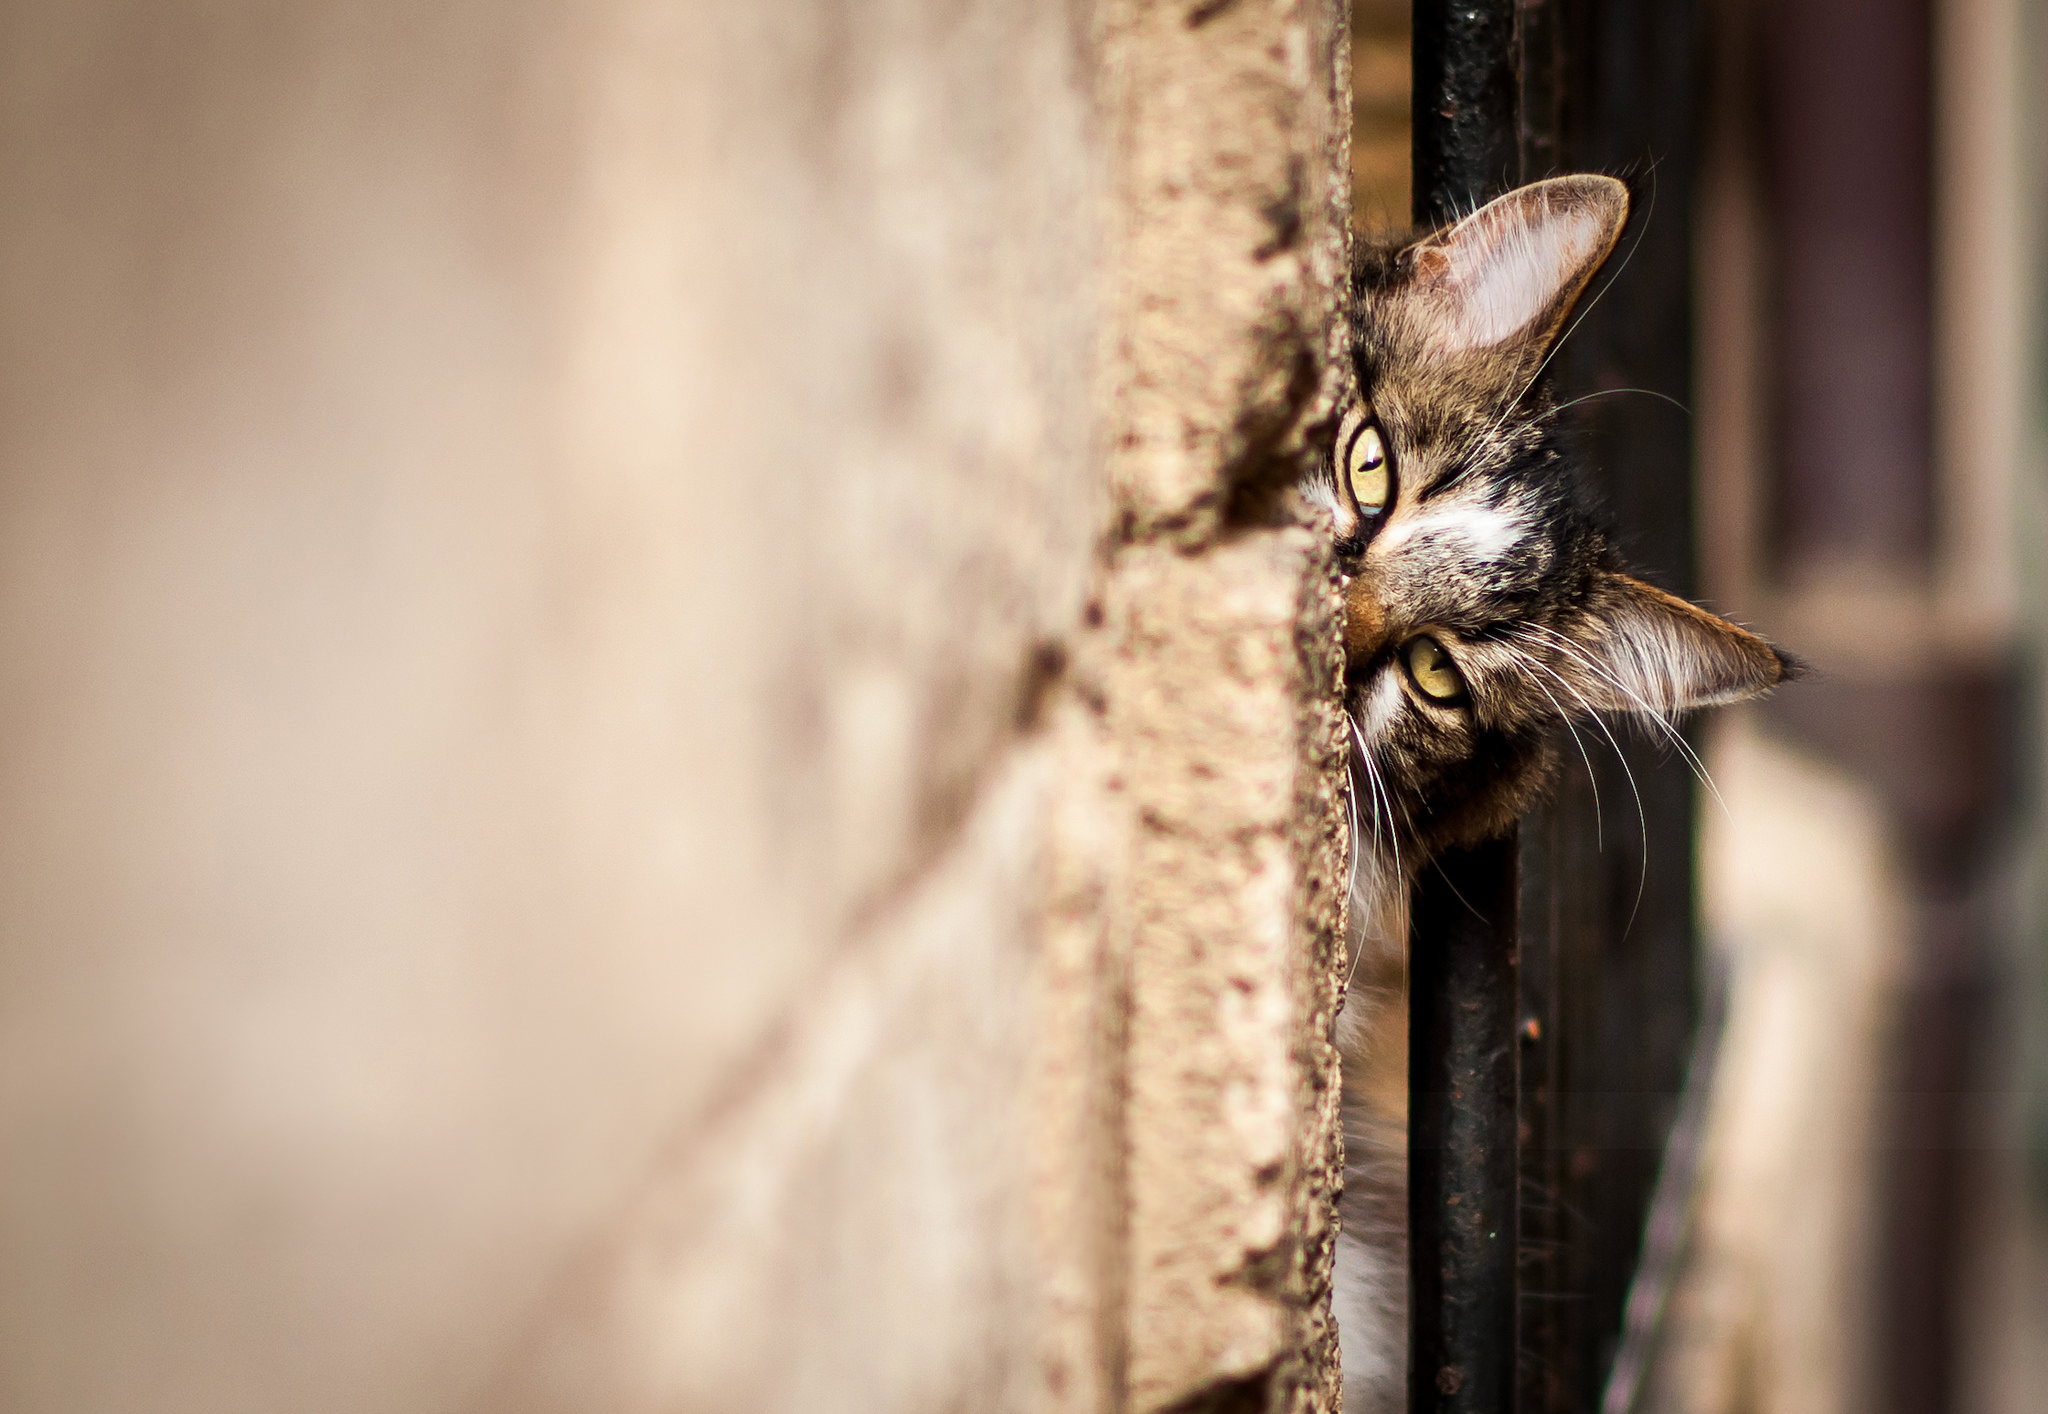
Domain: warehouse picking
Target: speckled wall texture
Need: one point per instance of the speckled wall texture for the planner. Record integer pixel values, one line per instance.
(670, 738)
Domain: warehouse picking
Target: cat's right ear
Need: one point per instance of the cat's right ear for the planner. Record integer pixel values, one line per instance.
(1510, 273)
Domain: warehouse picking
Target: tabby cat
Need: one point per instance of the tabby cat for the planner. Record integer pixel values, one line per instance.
(1483, 606)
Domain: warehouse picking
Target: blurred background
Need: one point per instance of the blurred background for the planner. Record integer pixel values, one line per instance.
(1854, 193)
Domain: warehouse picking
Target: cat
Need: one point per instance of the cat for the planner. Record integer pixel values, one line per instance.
(1483, 606)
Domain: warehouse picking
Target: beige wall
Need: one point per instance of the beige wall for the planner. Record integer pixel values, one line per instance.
(556, 822)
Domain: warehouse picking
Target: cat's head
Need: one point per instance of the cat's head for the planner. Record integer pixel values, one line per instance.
(1483, 603)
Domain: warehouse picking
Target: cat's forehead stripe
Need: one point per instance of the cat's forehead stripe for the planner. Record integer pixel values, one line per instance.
(1481, 531)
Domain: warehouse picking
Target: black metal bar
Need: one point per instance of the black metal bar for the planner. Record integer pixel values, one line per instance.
(1467, 101)
(1462, 1186)
(1607, 947)
(1462, 1085)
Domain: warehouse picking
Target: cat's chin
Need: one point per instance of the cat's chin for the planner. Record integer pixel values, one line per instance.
(1469, 818)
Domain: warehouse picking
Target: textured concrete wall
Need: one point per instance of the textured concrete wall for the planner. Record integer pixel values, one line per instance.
(667, 737)
(1232, 132)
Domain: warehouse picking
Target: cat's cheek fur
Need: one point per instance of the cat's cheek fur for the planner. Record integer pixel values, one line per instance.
(1378, 704)
(1370, 1301)
(1480, 796)
(1324, 498)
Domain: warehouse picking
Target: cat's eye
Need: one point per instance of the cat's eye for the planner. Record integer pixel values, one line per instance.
(1370, 475)
(1431, 670)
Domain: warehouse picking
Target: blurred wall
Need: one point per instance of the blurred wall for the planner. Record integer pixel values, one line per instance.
(1382, 82)
(1870, 478)
(573, 817)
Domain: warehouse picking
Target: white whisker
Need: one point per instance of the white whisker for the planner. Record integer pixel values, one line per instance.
(1664, 724)
(1609, 392)
(1357, 840)
(1379, 785)
(1592, 780)
(1390, 836)
(1642, 818)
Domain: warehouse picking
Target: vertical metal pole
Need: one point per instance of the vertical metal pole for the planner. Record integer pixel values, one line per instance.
(1467, 99)
(1609, 962)
(1462, 1083)
(1463, 1189)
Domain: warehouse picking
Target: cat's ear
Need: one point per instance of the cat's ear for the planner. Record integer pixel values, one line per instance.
(1512, 270)
(1647, 651)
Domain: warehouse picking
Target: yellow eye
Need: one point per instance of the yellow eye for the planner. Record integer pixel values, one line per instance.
(1368, 470)
(1432, 670)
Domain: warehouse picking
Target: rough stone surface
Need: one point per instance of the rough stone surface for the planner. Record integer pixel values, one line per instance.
(1231, 125)
(670, 735)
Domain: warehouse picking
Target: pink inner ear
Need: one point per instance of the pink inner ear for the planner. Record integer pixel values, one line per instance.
(1432, 266)
(1508, 264)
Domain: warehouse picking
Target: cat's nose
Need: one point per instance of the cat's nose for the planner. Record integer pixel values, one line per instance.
(1365, 622)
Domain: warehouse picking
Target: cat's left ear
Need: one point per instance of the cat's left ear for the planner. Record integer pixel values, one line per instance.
(1512, 270)
(1643, 650)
